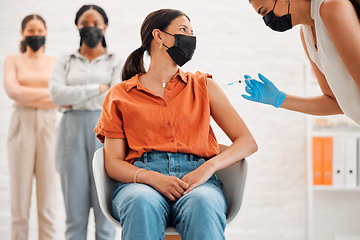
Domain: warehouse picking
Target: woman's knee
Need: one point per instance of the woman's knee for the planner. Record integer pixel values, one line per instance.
(206, 202)
(140, 199)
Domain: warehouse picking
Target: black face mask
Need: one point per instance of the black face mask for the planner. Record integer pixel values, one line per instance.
(35, 42)
(280, 24)
(91, 36)
(183, 49)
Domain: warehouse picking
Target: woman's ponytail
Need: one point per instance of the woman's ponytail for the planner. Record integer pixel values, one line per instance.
(356, 4)
(22, 46)
(134, 64)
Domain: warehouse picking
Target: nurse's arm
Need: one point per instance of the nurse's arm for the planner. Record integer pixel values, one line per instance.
(325, 104)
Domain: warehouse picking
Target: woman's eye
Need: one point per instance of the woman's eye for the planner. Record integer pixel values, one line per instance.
(183, 29)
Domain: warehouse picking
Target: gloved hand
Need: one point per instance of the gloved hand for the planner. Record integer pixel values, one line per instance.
(263, 92)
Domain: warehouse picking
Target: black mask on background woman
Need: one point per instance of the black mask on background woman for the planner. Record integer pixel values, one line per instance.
(183, 49)
(35, 42)
(91, 36)
(280, 24)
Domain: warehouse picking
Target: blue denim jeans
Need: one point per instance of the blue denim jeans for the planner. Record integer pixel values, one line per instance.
(144, 213)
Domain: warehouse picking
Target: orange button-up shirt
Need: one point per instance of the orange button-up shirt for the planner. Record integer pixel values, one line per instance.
(179, 122)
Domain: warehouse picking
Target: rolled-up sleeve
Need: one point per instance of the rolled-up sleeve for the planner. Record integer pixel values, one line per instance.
(111, 121)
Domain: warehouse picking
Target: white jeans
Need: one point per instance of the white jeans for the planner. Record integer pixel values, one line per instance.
(30, 146)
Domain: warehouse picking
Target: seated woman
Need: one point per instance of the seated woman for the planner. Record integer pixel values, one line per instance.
(158, 141)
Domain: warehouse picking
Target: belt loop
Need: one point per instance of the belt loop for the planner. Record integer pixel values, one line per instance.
(145, 157)
(191, 157)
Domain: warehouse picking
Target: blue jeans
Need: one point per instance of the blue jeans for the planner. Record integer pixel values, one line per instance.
(144, 213)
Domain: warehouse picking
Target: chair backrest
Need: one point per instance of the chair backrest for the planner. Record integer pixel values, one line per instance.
(233, 178)
(105, 186)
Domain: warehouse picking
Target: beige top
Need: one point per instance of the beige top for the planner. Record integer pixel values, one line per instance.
(26, 79)
(34, 75)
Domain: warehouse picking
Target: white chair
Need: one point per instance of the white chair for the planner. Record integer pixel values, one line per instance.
(233, 178)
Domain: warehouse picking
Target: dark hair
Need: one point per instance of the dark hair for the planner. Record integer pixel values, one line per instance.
(356, 4)
(23, 26)
(159, 19)
(99, 10)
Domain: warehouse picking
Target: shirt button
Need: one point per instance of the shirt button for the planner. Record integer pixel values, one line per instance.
(173, 140)
(168, 88)
(169, 123)
(165, 105)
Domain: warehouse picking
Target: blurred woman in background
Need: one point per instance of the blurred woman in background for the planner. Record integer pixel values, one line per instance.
(79, 83)
(31, 138)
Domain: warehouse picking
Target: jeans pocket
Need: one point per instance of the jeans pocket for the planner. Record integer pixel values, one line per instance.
(214, 177)
(139, 164)
(198, 162)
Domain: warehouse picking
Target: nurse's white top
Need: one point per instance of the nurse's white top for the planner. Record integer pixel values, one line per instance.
(329, 62)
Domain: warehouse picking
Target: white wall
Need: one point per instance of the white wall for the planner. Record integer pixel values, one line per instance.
(232, 41)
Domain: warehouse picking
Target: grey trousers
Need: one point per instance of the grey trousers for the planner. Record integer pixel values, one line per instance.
(75, 146)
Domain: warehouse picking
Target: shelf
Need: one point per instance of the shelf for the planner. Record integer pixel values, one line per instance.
(336, 189)
(336, 132)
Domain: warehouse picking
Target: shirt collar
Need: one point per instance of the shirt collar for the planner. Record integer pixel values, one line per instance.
(134, 81)
(78, 55)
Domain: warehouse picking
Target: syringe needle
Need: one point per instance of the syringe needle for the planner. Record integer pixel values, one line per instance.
(232, 83)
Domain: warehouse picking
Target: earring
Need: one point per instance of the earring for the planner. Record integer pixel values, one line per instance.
(160, 45)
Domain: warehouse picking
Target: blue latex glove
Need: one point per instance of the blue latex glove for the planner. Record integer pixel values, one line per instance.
(263, 92)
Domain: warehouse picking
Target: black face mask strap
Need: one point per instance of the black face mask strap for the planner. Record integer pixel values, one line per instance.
(170, 35)
(288, 2)
(274, 5)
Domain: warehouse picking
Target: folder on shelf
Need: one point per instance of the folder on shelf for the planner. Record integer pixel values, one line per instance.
(339, 161)
(317, 154)
(327, 161)
(351, 162)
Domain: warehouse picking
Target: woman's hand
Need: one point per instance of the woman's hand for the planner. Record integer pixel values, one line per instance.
(169, 186)
(197, 177)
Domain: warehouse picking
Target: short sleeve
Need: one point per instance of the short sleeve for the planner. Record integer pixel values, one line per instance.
(111, 122)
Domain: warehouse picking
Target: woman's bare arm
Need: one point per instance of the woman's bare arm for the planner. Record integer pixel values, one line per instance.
(17, 92)
(325, 104)
(243, 143)
(122, 171)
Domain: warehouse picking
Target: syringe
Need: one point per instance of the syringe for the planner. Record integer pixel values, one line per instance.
(232, 83)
